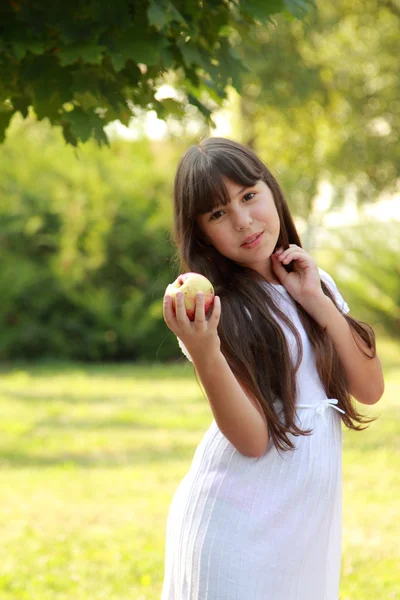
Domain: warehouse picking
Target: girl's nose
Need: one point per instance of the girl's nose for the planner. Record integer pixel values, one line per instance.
(242, 220)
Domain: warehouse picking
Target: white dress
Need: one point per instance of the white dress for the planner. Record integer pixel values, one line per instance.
(267, 528)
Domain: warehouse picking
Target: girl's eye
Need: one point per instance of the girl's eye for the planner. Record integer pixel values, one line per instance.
(248, 196)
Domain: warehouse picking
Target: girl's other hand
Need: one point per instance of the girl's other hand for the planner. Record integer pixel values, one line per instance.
(303, 283)
(199, 336)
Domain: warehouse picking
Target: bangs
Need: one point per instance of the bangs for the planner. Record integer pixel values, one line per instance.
(207, 190)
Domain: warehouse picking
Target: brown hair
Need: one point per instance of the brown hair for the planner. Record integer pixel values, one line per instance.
(248, 335)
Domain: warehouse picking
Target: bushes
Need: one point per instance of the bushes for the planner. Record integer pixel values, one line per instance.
(85, 252)
(365, 262)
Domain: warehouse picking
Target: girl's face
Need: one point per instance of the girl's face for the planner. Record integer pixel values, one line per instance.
(251, 210)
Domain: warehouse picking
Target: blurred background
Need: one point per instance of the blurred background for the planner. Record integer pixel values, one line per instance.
(101, 413)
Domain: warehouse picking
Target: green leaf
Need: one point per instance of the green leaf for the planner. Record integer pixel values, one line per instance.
(87, 99)
(231, 65)
(260, 10)
(100, 136)
(83, 124)
(139, 46)
(89, 53)
(20, 49)
(167, 57)
(192, 55)
(299, 7)
(118, 60)
(124, 115)
(161, 13)
(47, 106)
(51, 85)
(5, 118)
(21, 104)
(157, 15)
(169, 106)
(215, 91)
(203, 109)
(69, 137)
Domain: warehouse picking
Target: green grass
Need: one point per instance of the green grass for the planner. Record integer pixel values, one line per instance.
(91, 456)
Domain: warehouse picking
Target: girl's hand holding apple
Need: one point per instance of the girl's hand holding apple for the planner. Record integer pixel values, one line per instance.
(199, 334)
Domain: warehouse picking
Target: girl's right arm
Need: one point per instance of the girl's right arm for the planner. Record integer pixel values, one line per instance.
(237, 414)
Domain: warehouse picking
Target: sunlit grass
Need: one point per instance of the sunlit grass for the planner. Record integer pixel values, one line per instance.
(91, 456)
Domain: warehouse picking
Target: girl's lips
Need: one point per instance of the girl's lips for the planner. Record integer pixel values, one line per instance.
(254, 243)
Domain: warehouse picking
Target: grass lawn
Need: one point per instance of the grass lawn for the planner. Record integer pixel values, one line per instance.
(91, 456)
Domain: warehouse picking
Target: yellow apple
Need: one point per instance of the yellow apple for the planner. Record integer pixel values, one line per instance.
(189, 284)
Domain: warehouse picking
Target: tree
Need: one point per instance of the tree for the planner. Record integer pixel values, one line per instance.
(83, 64)
(322, 101)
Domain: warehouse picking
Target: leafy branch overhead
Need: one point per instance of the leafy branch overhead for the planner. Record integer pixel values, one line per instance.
(83, 64)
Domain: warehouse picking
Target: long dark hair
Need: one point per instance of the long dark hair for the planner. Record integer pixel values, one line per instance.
(248, 335)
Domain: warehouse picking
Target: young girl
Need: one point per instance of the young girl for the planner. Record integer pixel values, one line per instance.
(258, 515)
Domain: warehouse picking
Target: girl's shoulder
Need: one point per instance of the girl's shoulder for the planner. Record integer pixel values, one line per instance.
(327, 278)
(330, 282)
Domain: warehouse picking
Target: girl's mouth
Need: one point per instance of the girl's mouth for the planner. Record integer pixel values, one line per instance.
(254, 243)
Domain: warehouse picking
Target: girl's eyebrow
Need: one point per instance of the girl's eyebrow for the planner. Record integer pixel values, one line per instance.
(243, 189)
(238, 194)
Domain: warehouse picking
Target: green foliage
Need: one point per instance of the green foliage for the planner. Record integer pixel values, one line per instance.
(85, 251)
(322, 102)
(365, 263)
(85, 64)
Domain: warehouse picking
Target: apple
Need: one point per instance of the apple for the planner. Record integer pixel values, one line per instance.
(189, 284)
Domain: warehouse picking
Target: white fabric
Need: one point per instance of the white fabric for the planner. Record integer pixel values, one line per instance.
(267, 528)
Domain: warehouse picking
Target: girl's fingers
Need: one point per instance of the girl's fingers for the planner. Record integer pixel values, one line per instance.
(199, 315)
(172, 310)
(216, 311)
(293, 255)
(279, 269)
(292, 248)
(181, 314)
(167, 310)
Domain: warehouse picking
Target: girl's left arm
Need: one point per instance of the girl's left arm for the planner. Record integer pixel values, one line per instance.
(364, 375)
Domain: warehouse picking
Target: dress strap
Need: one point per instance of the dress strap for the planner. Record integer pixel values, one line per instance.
(320, 407)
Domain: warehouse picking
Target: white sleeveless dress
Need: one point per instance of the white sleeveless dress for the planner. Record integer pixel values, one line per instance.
(267, 528)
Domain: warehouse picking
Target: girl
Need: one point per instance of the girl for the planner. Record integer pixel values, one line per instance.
(258, 515)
